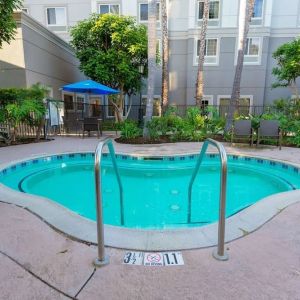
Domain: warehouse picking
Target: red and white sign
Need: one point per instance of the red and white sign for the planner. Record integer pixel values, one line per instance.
(153, 259)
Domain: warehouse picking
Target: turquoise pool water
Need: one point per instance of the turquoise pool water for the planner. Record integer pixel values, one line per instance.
(155, 189)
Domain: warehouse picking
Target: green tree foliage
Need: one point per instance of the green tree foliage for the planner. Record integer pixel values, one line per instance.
(288, 69)
(23, 105)
(7, 23)
(110, 49)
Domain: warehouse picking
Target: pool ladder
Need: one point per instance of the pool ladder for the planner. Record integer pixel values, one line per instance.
(219, 253)
(103, 259)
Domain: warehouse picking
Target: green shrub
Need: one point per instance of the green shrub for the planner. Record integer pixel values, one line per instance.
(130, 130)
(23, 105)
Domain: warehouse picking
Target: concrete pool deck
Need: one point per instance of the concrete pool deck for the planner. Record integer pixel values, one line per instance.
(37, 262)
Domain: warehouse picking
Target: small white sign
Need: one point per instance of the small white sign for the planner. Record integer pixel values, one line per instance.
(153, 259)
(133, 258)
(173, 259)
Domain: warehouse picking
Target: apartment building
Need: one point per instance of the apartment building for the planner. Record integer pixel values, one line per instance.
(274, 22)
(37, 55)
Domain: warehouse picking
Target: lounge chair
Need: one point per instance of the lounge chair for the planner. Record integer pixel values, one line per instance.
(242, 130)
(269, 130)
(92, 124)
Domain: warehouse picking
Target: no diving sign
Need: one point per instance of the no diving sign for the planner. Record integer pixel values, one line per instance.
(153, 259)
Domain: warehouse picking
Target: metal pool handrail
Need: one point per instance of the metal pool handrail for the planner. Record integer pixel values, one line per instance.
(219, 253)
(102, 259)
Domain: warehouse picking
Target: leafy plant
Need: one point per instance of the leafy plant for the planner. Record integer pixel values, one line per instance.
(130, 129)
(7, 23)
(288, 69)
(23, 105)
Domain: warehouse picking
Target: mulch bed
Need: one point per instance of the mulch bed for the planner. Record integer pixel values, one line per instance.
(24, 141)
(161, 140)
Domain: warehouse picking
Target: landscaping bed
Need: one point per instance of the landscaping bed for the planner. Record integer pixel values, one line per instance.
(22, 141)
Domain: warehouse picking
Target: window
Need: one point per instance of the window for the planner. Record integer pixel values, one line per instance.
(211, 51)
(210, 47)
(214, 7)
(109, 9)
(56, 16)
(143, 12)
(79, 102)
(244, 105)
(252, 47)
(156, 104)
(258, 9)
(24, 9)
(68, 101)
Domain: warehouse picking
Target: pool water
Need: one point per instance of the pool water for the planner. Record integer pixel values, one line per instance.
(155, 189)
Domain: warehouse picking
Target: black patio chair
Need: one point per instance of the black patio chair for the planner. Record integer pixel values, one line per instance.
(242, 130)
(92, 124)
(269, 130)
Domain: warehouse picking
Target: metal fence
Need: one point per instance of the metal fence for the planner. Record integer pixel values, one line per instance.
(67, 117)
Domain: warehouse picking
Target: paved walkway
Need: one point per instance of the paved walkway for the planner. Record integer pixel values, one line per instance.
(36, 262)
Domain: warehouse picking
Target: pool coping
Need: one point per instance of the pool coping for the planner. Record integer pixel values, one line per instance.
(84, 230)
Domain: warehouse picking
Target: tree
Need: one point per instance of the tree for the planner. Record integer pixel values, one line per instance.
(151, 62)
(288, 69)
(110, 49)
(7, 23)
(165, 55)
(200, 81)
(246, 12)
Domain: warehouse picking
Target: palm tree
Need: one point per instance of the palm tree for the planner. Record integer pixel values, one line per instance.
(200, 81)
(151, 62)
(246, 12)
(165, 55)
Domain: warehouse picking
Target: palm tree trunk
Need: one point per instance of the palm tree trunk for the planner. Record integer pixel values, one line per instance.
(246, 11)
(151, 62)
(200, 80)
(165, 55)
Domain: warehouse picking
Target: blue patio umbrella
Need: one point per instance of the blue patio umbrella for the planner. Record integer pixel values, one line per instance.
(90, 87)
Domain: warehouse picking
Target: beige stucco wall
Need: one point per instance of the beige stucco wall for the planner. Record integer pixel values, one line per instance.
(37, 55)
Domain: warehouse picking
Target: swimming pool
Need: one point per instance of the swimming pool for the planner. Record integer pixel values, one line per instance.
(155, 188)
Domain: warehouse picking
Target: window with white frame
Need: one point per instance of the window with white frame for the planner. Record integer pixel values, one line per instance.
(252, 46)
(257, 15)
(214, 10)
(258, 9)
(109, 9)
(243, 109)
(252, 50)
(156, 104)
(80, 102)
(211, 51)
(56, 16)
(143, 12)
(213, 14)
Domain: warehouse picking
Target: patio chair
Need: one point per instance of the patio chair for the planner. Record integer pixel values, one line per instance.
(242, 130)
(92, 124)
(269, 130)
